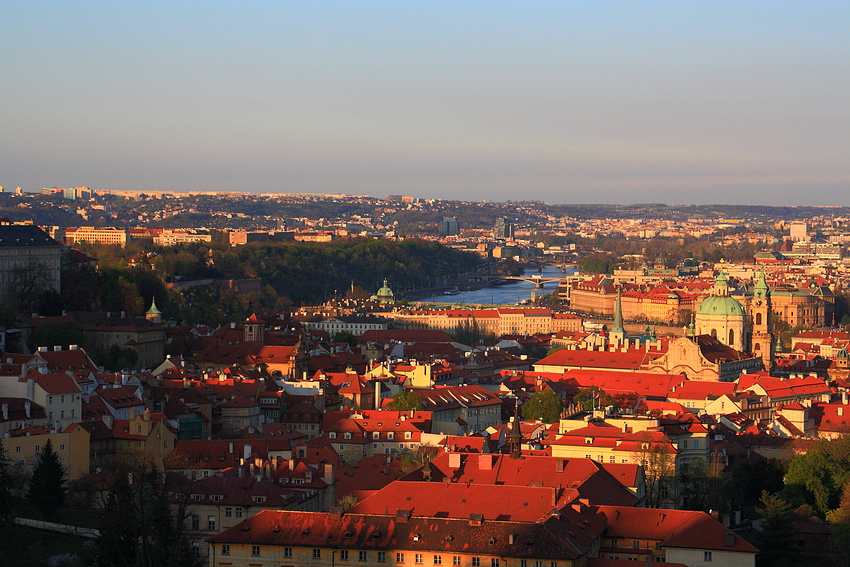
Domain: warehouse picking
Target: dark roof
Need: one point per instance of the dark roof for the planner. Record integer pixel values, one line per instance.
(25, 235)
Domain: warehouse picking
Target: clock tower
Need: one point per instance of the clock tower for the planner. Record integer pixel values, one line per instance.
(760, 311)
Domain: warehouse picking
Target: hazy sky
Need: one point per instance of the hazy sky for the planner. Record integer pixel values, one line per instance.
(567, 102)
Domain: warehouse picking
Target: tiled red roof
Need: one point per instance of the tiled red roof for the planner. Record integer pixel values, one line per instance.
(674, 528)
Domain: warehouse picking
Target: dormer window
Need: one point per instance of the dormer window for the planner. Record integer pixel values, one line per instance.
(347, 435)
(390, 436)
(588, 440)
(331, 434)
(376, 435)
(407, 435)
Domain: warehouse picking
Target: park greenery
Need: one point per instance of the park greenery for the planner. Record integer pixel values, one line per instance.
(545, 406)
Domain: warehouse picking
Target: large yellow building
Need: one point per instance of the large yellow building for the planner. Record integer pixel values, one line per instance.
(503, 321)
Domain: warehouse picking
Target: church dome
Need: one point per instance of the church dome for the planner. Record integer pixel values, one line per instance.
(385, 294)
(720, 305)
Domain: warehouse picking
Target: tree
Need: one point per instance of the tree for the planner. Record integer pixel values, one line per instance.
(658, 458)
(347, 502)
(545, 406)
(29, 281)
(47, 487)
(776, 538)
(52, 332)
(593, 397)
(412, 460)
(142, 520)
(406, 401)
(345, 337)
(5, 487)
(820, 473)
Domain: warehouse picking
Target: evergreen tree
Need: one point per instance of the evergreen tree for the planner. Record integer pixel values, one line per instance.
(47, 488)
(776, 542)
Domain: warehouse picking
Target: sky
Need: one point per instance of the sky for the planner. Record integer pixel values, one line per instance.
(681, 102)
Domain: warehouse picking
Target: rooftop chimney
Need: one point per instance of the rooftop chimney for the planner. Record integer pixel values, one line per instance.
(57, 348)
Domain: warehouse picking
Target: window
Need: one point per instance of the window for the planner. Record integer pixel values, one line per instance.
(456, 560)
(399, 557)
(211, 522)
(390, 436)
(438, 560)
(382, 557)
(476, 562)
(665, 491)
(538, 564)
(215, 498)
(613, 543)
(255, 550)
(287, 552)
(61, 446)
(317, 553)
(238, 512)
(587, 456)
(553, 564)
(494, 562)
(225, 549)
(331, 434)
(361, 556)
(196, 522)
(18, 449)
(197, 497)
(62, 414)
(376, 435)
(418, 558)
(523, 563)
(635, 544)
(706, 556)
(346, 435)
(684, 444)
(343, 555)
(612, 459)
(228, 512)
(342, 447)
(407, 435)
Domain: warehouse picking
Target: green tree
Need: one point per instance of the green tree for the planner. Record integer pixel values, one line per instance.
(52, 332)
(593, 398)
(546, 406)
(406, 401)
(412, 460)
(47, 487)
(820, 473)
(7, 316)
(776, 537)
(345, 337)
(347, 502)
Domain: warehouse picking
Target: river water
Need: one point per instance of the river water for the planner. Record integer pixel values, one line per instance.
(509, 294)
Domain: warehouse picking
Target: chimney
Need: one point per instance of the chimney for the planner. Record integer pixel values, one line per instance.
(233, 325)
(230, 448)
(454, 460)
(485, 462)
(57, 348)
(73, 347)
(107, 421)
(328, 474)
(559, 465)
(30, 388)
(241, 471)
(5, 411)
(123, 314)
(246, 451)
(42, 349)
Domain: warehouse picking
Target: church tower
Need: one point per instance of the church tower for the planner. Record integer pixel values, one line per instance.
(764, 344)
(617, 335)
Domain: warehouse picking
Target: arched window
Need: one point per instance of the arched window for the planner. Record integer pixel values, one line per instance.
(758, 318)
(714, 333)
(757, 346)
(731, 337)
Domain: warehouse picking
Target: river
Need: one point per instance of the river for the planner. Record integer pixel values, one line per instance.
(508, 294)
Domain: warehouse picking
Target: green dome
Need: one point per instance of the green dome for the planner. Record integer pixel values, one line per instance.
(720, 305)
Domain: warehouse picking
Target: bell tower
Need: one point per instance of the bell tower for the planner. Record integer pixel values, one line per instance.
(763, 342)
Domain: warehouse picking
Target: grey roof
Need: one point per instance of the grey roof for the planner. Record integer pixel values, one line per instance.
(25, 235)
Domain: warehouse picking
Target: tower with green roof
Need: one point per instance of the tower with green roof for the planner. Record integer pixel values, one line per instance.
(722, 316)
(763, 342)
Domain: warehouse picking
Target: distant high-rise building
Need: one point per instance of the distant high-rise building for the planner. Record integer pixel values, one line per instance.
(799, 231)
(503, 228)
(449, 227)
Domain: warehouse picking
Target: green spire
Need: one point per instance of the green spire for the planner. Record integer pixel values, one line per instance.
(618, 315)
(153, 310)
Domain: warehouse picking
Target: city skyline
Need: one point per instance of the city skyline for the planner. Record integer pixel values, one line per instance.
(614, 102)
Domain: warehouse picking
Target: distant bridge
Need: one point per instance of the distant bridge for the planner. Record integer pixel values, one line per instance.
(537, 280)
